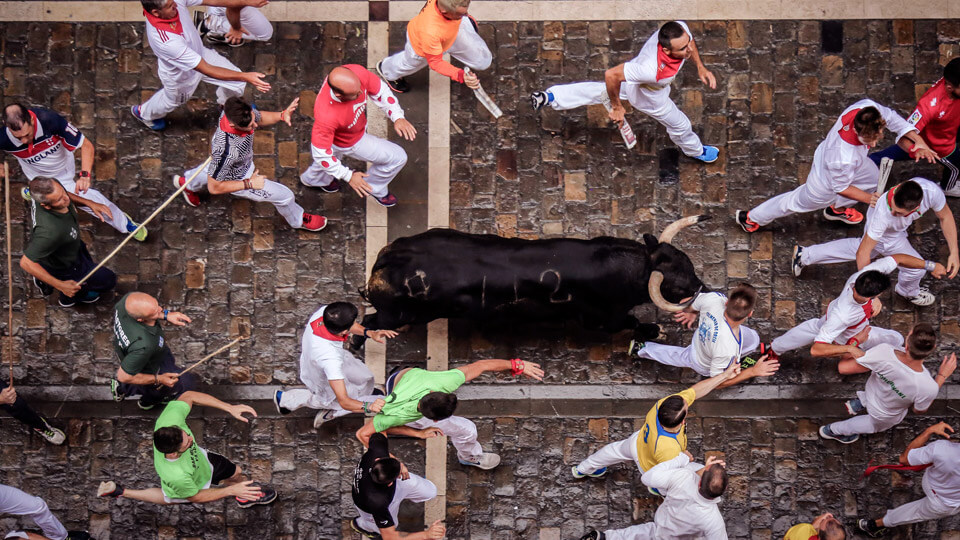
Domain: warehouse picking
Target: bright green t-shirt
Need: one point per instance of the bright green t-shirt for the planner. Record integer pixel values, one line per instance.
(401, 406)
(185, 476)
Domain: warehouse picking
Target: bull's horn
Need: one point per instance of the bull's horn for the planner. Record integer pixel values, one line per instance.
(667, 235)
(653, 289)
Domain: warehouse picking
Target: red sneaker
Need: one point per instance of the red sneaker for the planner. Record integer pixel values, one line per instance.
(313, 222)
(846, 215)
(190, 196)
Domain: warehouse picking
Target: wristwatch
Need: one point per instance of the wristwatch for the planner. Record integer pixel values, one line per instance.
(84, 174)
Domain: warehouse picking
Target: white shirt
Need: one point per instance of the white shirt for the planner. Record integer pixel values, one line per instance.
(893, 387)
(715, 345)
(943, 478)
(684, 513)
(177, 55)
(884, 227)
(837, 163)
(323, 360)
(642, 70)
(845, 316)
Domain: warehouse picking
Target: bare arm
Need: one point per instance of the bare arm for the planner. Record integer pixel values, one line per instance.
(350, 404)
(223, 74)
(87, 154)
(705, 75)
(943, 429)
(613, 78)
(238, 4)
(857, 194)
(706, 386)
(949, 228)
(830, 349)
(474, 370)
(763, 368)
(192, 398)
(863, 252)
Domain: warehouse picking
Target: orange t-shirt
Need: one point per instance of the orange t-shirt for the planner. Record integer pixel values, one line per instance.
(430, 35)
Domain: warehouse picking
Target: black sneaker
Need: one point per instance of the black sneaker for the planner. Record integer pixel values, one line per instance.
(267, 496)
(145, 405)
(45, 289)
(91, 297)
(115, 390)
(66, 301)
(870, 528)
(828, 433)
(635, 347)
(332, 187)
(795, 263)
(538, 100)
(594, 535)
(399, 86)
(200, 21)
(357, 528)
(276, 401)
(78, 535)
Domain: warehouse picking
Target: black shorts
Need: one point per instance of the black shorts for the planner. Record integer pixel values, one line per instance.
(223, 468)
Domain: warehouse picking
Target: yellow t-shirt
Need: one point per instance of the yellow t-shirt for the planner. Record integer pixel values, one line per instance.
(655, 444)
(802, 531)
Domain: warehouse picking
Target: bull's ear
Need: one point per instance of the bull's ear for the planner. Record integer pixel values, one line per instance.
(651, 241)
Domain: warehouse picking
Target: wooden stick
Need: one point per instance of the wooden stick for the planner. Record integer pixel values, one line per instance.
(144, 224)
(6, 211)
(214, 353)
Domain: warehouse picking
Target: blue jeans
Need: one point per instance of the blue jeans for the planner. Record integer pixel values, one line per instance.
(102, 280)
(951, 163)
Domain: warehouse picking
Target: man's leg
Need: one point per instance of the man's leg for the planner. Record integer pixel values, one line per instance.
(893, 152)
(799, 201)
(150, 495)
(573, 95)
(879, 336)
(152, 395)
(837, 251)
(252, 20)
(22, 411)
(399, 65)
(315, 175)
(644, 531)
(303, 397)
(925, 509)
(386, 160)
(749, 340)
(861, 425)
(118, 220)
(199, 182)
(16, 502)
(951, 172)
(611, 454)
(225, 89)
(799, 336)
(470, 48)
(282, 199)
(461, 432)
(101, 281)
(172, 95)
(661, 108)
(670, 355)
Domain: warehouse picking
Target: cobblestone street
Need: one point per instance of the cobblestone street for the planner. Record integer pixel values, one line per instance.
(236, 268)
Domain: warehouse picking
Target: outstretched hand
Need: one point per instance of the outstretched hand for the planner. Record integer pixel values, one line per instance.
(237, 411)
(942, 429)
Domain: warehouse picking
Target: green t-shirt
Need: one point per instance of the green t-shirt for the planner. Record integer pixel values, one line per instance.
(401, 406)
(192, 471)
(55, 242)
(141, 348)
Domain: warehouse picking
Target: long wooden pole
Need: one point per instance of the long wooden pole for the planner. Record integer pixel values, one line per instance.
(6, 211)
(214, 353)
(144, 224)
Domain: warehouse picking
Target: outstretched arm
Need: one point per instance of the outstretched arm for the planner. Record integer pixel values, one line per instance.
(949, 228)
(943, 429)
(763, 368)
(706, 386)
(192, 398)
(474, 370)
(705, 75)
(613, 77)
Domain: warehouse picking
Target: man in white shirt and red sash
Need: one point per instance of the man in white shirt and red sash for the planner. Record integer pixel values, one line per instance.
(645, 83)
(183, 61)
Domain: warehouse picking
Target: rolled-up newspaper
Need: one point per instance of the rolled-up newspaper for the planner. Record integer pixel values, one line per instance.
(886, 165)
(485, 99)
(625, 130)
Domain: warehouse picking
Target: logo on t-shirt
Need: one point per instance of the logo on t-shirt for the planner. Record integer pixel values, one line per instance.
(933, 102)
(73, 233)
(160, 343)
(915, 117)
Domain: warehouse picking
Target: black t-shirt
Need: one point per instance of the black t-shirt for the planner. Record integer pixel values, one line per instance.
(369, 496)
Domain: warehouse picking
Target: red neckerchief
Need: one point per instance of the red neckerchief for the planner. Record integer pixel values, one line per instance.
(227, 128)
(667, 66)
(167, 25)
(847, 131)
(320, 330)
(895, 467)
(890, 195)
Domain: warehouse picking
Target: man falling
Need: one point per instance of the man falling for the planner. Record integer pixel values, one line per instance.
(645, 83)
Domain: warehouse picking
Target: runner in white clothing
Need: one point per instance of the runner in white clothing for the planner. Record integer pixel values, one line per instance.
(645, 83)
(941, 483)
(233, 26)
(886, 234)
(721, 337)
(690, 509)
(841, 174)
(183, 61)
(337, 382)
(898, 381)
(844, 330)
(17, 503)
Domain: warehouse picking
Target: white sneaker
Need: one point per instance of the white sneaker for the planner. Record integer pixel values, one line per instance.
(486, 461)
(954, 191)
(323, 416)
(52, 435)
(923, 298)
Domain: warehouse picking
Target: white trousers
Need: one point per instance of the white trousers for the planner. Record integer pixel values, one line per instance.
(803, 335)
(176, 91)
(862, 425)
(655, 103)
(644, 531)
(461, 432)
(611, 454)
(845, 249)
(685, 357)
(925, 509)
(256, 24)
(16, 502)
(804, 199)
(303, 397)
(469, 48)
(68, 178)
(272, 192)
(386, 160)
(415, 489)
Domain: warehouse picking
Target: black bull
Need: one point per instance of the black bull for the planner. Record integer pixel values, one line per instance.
(444, 273)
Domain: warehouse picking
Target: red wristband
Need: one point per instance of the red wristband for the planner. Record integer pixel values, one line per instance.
(516, 366)
(853, 341)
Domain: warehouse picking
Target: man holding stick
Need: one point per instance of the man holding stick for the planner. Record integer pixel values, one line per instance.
(232, 170)
(147, 366)
(56, 257)
(43, 143)
(16, 406)
(187, 472)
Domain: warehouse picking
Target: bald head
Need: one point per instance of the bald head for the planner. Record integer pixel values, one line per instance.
(142, 306)
(344, 83)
